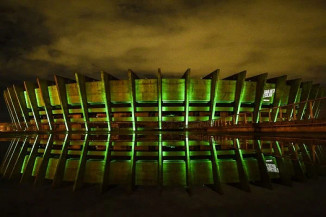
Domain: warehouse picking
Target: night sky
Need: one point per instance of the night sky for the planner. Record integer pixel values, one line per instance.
(41, 38)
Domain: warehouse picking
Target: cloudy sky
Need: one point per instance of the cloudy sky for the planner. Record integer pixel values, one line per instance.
(40, 38)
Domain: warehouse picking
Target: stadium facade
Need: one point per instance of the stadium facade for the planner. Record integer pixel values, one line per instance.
(87, 104)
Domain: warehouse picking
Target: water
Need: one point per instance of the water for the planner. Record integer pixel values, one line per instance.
(161, 159)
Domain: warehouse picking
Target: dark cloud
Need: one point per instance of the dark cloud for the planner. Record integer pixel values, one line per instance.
(39, 39)
(21, 30)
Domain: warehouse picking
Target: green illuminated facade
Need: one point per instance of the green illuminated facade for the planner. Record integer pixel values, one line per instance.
(136, 103)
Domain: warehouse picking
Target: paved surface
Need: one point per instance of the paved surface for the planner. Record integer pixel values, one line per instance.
(303, 199)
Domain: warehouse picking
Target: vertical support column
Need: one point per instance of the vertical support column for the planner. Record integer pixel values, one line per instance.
(12, 158)
(160, 161)
(239, 90)
(14, 106)
(296, 163)
(280, 83)
(62, 93)
(265, 179)
(213, 95)
(20, 159)
(59, 171)
(186, 76)
(7, 155)
(316, 109)
(188, 163)
(45, 160)
(215, 167)
(159, 98)
(260, 87)
(79, 179)
(294, 91)
(305, 92)
(132, 76)
(243, 174)
(81, 84)
(132, 174)
(30, 89)
(239, 94)
(107, 96)
(313, 95)
(107, 164)
(310, 169)
(27, 174)
(284, 173)
(43, 85)
(19, 92)
(13, 119)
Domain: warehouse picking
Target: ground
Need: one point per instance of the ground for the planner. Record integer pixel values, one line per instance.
(302, 199)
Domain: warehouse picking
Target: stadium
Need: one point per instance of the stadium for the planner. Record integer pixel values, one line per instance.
(87, 104)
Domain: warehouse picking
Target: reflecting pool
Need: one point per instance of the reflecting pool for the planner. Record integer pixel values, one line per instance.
(162, 159)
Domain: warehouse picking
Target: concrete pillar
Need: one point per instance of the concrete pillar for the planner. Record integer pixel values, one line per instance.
(62, 93)
(19, 93)
(305, 93)
(43, 86)
(280, 83)
(132, 76)
(213, 94)
(106, 78)
(240, 78)
(30, 90)
(260, 87)
(186, 76)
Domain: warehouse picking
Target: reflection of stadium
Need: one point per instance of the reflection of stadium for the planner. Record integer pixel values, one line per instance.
(149, 103)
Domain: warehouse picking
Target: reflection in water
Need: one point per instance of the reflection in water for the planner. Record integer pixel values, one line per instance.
(160, 159)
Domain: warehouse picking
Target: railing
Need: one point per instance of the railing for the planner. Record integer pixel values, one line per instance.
(297, 111)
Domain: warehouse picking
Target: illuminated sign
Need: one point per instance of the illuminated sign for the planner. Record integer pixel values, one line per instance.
(268, 94)
(271, 166)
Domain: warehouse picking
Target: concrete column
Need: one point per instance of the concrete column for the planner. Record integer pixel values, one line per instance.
(316, 109)
(213, 96)
(60, 169)
(15, 106)
(132, 76)
(19, 93)
(294, 90)
(243, 173)
(45, 161)
(62, 93)
(260, 87)
(280, 83)
(79, 179)
(27, 174)
(240, 78)
(313, 95)
(215, 167)
(159, 98)
(81, 84)
(43, 85)
(186, 76)
(10, 109)
(284, 172)
(305, 93)
(107, 164)
(265, 179)
(188, 163)
(106, 78)
(30, 89)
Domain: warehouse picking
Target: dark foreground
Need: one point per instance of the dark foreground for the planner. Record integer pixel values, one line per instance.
(302, 199)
